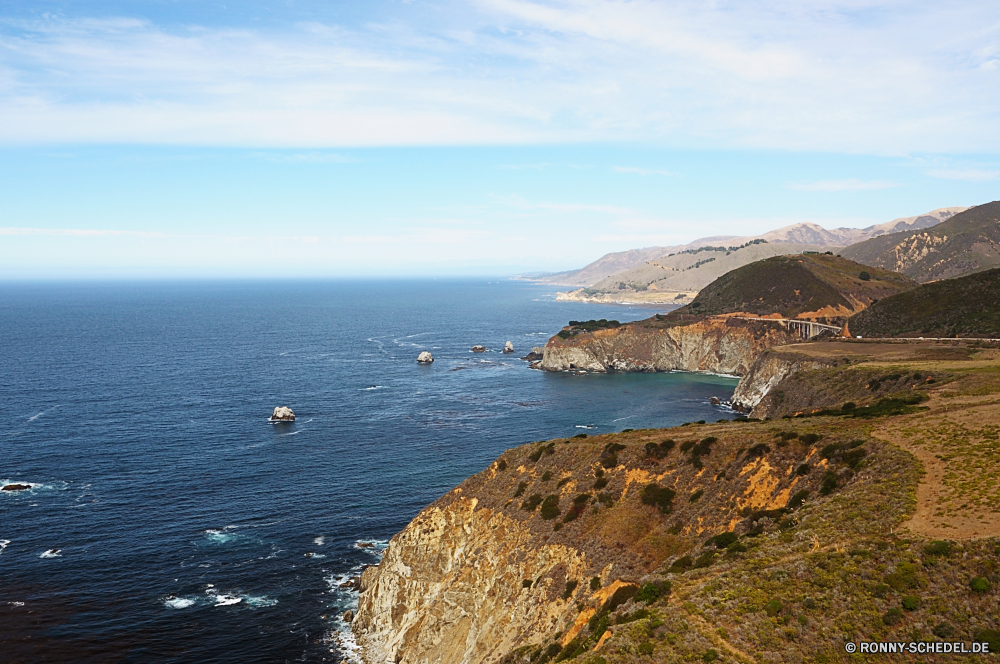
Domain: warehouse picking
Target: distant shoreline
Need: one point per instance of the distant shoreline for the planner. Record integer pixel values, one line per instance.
(675, 298)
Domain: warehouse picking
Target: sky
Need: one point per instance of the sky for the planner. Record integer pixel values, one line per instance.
(165, 139)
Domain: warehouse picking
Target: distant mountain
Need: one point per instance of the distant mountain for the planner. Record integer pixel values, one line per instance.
(966, 307)
(966, 243)
(806, 236)
(815, 286)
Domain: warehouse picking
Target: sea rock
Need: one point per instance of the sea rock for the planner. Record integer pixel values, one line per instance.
(348, 616)
(715, 401)
(425, 358)
(282, 414)
(479, 349)
(508, 347)
(536, 354)
(16, 487)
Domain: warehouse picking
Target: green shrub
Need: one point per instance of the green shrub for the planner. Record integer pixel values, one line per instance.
(803, 469)
(722, 540)
(652, 591)
(797, 499)
(563, 482)
(533, 501)
(758, 450)
(910, 602)
(526, 583)
(595, 583)
(704, 560)
(551, 652)
(853, 457)
(979, 584)
(645, 648)
(696, 495)
(788, 435)
(580, 435)
(938, 548)
(892, 617)
(687, 445)
(660, 496)
(809, 603)
(638, 614)
(572, 649)
(829, 483)
(864, 276)
(676, 528)
(903, 578)
(810, 438)
(773, 607)
(570, 587)
(600, 483)
(945, 631)
(681, 565)
(605, 499)
(609, 461)
(547, 475)
(520, 489)
(710, 656)
(501, 464)
(736, 547)
(990, 636)
(550, 507)
(830, 450)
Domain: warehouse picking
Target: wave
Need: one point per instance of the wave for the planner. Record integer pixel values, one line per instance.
(178, 602)
(585, 426)
(52, 553)
(3, 545)
(319, 541)
(35, 417)
(373, 387)
(293, 433)
(221, 536)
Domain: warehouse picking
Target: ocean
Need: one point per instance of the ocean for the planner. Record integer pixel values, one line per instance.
(169, 521)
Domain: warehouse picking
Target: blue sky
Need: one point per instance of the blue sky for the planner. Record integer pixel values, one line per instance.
(301, 139)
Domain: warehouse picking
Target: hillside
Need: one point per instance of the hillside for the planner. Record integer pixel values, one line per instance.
(968, 242)
(774, 541)
(813, 286)
(966, 307)
(805, 236)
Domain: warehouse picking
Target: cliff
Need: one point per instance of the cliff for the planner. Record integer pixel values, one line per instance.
(769, 370)
(725, 345)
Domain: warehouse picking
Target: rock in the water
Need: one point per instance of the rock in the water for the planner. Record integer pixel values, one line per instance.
(537, 353)
(508, 347)
(16, 487)
(715, 401)
(425, 358)
(283, 414)
(348, 615)
(479, 349)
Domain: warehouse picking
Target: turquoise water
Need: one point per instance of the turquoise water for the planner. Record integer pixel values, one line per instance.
(170, 522)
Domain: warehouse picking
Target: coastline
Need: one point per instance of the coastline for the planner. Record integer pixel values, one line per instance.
(673, 298)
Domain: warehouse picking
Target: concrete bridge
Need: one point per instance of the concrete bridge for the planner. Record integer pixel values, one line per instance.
(806, 329)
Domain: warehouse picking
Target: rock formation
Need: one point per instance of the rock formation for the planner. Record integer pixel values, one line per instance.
(769, 369)
(479, 349)
(282, 414)
(425, 358)
(16, 487)
(721, 345)
(508, 347)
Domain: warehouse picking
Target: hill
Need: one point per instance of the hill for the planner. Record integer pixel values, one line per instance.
(968, 242)
(966, 307)
(811, 286)
(809, 237)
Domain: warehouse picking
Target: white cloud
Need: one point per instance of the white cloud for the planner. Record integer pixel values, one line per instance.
(842, 185)
(822, 75)
(641, 171)
(969, 174)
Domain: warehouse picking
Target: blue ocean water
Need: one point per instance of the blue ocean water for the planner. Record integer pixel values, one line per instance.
(168, 521)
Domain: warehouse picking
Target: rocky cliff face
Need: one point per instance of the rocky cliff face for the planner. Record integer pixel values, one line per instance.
(767, 371)
(721, 344)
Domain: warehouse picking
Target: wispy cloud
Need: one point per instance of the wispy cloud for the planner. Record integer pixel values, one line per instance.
(842, 185)
(772, 75)
(641, 171)
(969, 174)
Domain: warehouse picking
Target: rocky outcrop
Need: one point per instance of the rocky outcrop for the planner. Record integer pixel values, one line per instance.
(479, 349)
(282, 414)
(425, 358)
(508, 347)
(725, 345)
(16, 487)
(767, 371)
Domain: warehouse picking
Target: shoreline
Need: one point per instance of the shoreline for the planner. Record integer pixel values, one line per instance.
(675, 298)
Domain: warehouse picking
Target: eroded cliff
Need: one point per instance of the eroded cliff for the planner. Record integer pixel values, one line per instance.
(727, 345)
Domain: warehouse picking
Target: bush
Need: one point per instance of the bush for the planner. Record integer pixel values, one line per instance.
(610, 461)
(810, 438)
(704, 560)
(910, 602)
(830, 450)
(903, 578)
(605, 499)
(892, 617)
(595, 583)
(864, 276)
(797, 499)
(722, 540)
(533, 501)
(550, 507)
(661, 496)
(502, 464)
(570, 587)
(563, 482)
(520, 489)
(710, 656)
(696, 495)
(580, 435)
(938, 548)
(853, 457)
(547, 475)
(681, 565)
(803, 469)
(526, 583)
(645, 648)
(829, 483)
(687, 445)
(600, 483)
(773, 607)
(945, 631)
(652, 591)
(736, 547)
(979, 585)
(990, 636)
